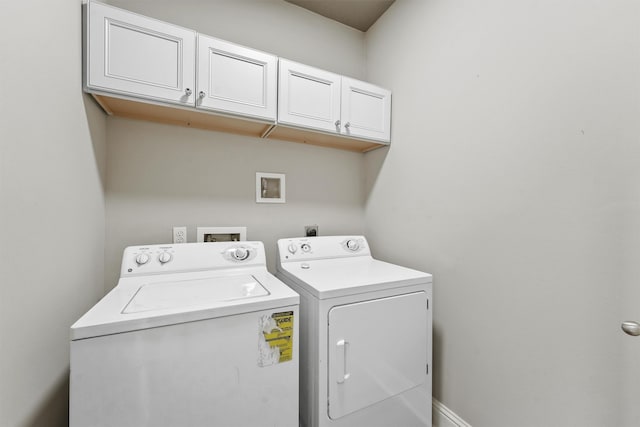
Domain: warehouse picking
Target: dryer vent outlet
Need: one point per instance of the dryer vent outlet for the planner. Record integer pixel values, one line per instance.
(311, 230)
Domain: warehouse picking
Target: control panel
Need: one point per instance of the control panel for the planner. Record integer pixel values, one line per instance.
(153, 259)
(308, 248)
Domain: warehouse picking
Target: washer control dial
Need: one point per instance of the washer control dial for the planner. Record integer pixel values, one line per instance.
(142, 259)
(164, 257)
(292, 248)
(306, 248)
(352, 245)
(240, 254)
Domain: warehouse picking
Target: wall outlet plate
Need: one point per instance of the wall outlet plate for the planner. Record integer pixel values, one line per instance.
(179, 234)
(311, 230)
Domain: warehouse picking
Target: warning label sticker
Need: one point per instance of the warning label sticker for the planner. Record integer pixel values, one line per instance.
(275, 343)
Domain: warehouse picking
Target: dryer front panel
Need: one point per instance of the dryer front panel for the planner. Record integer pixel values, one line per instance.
(376, 350)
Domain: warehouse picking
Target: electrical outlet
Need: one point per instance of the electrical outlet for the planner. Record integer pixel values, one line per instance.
(179, 234)
(311, 230)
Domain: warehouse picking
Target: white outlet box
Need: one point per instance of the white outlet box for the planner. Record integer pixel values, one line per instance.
(179, 234)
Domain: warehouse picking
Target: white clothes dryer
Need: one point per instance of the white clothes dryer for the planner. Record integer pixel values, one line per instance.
(196, 334)
(365, 340)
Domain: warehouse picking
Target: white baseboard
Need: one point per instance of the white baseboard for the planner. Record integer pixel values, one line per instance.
(445, 417)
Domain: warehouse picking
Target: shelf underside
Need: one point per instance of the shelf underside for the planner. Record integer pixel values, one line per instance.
(180, 117)
(322, 139)
(202, 120)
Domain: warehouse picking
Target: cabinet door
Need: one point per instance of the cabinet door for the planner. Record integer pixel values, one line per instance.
(377, 349)
(236, 79)
(138, 56)
(366, 110)
(308, 97)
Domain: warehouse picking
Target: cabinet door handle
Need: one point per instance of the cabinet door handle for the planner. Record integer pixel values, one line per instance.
(337, 123)
(188, 92)
(202, 94)
(631, 328)
(347, 125)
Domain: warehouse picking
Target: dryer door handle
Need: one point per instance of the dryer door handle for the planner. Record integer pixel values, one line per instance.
(341, 361)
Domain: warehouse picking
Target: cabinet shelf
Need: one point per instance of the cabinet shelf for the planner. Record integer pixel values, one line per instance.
(304, 136)
(189, 117)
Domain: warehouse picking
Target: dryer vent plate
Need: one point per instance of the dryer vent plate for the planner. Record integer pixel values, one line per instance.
(310, 230)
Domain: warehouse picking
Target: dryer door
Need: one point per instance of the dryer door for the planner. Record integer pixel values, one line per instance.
(377, 349)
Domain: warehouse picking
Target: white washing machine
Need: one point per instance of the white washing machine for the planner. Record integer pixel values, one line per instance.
(365, 340)
(193, 335)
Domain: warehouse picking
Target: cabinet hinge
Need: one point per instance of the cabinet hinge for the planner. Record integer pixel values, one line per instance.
(427, 304)
(427, 369)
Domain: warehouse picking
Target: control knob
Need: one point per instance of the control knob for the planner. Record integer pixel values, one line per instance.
(305, 247)
(240, 254)
(164, 257)
(142, 259)
(352, 245)
(292, 248)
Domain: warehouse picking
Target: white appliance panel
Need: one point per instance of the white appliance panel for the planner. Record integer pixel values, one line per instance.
(322, 247)
(346, 299)
(209, 337)
(377, 349)
(190, 375)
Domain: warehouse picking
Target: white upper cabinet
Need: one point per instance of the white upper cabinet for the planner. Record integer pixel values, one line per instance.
(236, 79)
(136, 56)
(142, 68)
(366, 110)
(317, 99)
(308, 97)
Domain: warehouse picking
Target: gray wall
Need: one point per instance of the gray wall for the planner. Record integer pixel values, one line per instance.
(164, 176)
(511, 178)
(52, 155)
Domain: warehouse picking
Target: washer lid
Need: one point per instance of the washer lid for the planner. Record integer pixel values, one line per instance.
(330, 278)
(161, 300)
(185, 294)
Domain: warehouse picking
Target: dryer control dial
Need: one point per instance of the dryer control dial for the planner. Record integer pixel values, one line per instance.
(352, 245)
(164, 257)
(240, 254)
(142, 259)
(292, 248)
(305, 247)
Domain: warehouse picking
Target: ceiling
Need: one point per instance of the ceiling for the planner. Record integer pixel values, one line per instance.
(359, 14)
